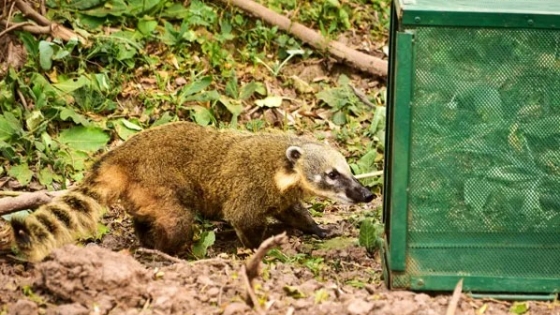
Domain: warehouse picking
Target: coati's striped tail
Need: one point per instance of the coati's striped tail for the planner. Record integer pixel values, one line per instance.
(63, 220)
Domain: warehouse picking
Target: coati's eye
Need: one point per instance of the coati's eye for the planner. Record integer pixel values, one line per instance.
(333, 174)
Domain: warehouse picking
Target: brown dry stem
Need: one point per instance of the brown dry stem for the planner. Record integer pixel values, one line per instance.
(42, 26)
(454, 301)
(27, 200)
(250, 270)
(354, 58)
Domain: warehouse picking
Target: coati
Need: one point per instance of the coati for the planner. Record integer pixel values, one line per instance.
(167, 174)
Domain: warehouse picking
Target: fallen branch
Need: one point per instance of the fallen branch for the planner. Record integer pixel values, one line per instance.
(371, 174)
(455, 298)
(13, 27)
(250, 270)
(28, 200)
(354, 58)
(44, 25)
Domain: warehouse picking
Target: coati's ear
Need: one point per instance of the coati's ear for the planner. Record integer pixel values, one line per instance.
(293, 153)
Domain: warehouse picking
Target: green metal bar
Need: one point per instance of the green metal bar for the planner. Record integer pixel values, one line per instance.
(401, 150)
(417, 18)
(515, 297)
(485, 284)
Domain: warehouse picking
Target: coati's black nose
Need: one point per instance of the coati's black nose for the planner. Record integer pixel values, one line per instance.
(368, 196)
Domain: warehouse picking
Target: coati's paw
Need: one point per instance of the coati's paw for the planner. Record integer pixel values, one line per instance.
(320, 232)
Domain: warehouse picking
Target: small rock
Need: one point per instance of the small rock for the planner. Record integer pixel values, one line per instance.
(24, 307)
(359, 306)
(302, 304)
(235, 308)
(180, 81)
(205, 280)
(70, 309)
(404, 307)
(213, 291)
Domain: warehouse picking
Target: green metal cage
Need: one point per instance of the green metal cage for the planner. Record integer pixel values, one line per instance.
(472, 181)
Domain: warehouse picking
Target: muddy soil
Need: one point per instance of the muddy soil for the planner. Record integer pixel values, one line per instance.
(305, 276)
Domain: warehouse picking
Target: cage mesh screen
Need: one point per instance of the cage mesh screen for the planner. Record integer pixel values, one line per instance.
(484, 190)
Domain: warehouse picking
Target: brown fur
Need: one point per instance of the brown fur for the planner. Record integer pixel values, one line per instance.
(166, 174)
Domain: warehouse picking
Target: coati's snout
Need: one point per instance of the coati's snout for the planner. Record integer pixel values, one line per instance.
(326, 173)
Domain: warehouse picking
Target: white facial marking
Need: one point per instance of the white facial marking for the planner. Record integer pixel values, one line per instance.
(317, 178)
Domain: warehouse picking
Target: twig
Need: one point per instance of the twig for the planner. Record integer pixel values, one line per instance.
(361, 96)
(32, 28)
(250, 270)
(13, 27)
(371, 174)
(354, 58)
(455, 298)
(252, 297)
(28, 200)
(23, 101)
(161, 254)
(27, 10)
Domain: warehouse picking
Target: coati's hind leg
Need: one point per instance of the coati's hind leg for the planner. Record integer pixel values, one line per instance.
(298, 217)
(160, 221)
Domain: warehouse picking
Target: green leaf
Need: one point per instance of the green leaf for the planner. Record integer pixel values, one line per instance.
(47, 176)
(250, 88)
(75, 159)
(164, 119)
(370, 235)
(378, 121)
(202, 115)
(87, 139)
(195, 87)
(9, 126)
(175, 11)
(125, 129)
(68, 112)
(111, 7)
(294, 292)
(22, 173)
(131, 125)
(200, 248)
(234, 107)
(519, 308)
(72, 85)
(339, 118)
(80, 4)
(271, 101)
(46, 53)
(147, 25)
(34, 120)
(101, 231)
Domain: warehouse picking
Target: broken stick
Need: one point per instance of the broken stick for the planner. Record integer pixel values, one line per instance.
(354, 58)
(250, 270)
(452, 307)
(27, 200)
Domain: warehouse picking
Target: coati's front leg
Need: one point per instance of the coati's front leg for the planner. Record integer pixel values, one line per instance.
(298, 217)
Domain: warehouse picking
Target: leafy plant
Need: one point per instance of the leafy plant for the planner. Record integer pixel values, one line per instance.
(371, 235)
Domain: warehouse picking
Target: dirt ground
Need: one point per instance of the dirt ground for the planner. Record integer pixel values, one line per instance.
(110, 277)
